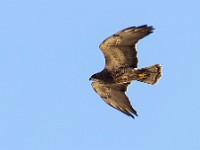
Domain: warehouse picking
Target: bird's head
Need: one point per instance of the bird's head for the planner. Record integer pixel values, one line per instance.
(94, 77)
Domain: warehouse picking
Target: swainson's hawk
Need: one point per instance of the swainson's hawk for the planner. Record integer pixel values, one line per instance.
(122, 67)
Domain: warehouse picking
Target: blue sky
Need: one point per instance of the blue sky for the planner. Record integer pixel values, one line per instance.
(48, 51)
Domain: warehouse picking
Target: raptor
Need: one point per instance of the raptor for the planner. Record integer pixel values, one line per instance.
(121, 68)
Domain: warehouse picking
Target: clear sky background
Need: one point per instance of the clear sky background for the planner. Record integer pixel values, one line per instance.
(48, 51)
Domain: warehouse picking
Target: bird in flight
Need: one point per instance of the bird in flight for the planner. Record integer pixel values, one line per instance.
(121, 68)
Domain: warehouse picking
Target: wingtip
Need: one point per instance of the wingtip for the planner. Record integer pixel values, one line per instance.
(132, 116)
(146, 26)
(140, 26)
(133, 111)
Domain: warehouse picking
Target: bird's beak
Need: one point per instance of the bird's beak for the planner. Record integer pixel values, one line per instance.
(90, 78)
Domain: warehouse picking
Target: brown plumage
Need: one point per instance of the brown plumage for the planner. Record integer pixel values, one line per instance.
(121, 68)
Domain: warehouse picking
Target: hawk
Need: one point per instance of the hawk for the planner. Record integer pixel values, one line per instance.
(121, 68)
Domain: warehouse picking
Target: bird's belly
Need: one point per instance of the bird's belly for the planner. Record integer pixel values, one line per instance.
(124, 75)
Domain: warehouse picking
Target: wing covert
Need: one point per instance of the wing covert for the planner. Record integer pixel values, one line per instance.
(120, 48)
(114, 95)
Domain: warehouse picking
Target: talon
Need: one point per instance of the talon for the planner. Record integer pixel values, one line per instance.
(142, 75)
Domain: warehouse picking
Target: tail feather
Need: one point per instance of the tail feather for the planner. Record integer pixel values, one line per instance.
(150, 75)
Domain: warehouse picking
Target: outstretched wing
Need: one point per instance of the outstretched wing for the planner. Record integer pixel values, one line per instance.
(114, 95)
(120, 50)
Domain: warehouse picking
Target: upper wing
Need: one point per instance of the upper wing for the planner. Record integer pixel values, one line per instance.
(120, 50)
(114, 95)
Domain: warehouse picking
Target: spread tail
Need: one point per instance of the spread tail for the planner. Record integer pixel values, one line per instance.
(150, 74)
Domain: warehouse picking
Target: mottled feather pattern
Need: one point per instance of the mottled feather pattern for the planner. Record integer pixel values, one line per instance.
(113, 94)
(119, 49)
(121, 68)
